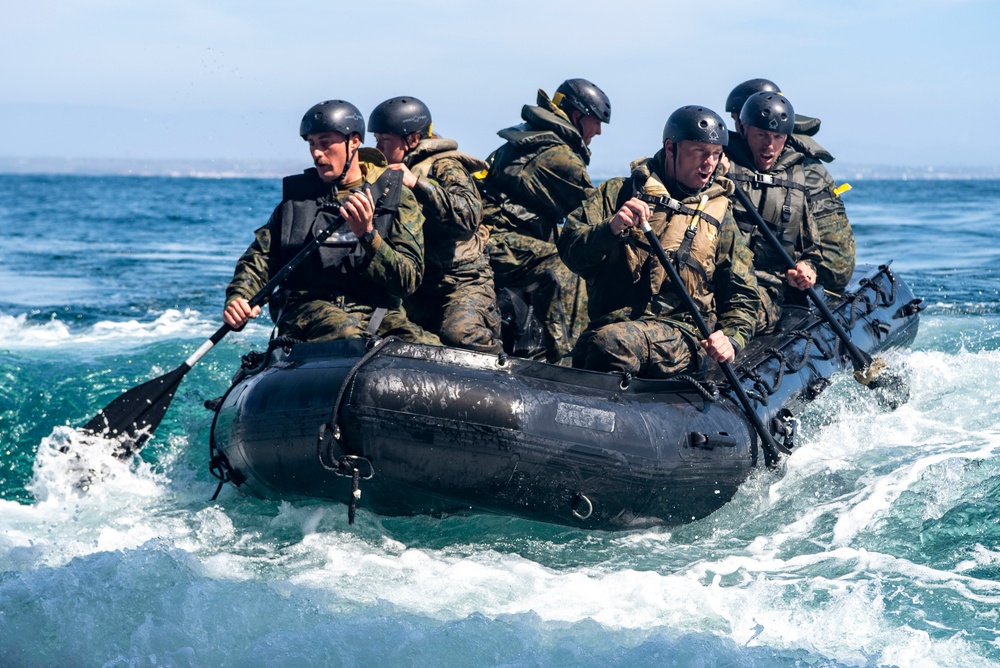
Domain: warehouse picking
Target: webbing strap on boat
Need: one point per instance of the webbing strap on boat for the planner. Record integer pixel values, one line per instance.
(378, 315)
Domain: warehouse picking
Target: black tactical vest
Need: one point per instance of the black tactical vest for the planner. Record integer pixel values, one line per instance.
(308, 207)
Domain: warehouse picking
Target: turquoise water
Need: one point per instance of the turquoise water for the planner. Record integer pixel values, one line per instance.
(880, 546)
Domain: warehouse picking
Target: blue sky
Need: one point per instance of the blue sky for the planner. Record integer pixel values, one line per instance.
(911, 84)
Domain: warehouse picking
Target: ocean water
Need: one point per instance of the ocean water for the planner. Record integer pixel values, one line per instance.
(879, 546)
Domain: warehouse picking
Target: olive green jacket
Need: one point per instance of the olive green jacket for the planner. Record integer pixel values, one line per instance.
(449, 200)
(538, 176)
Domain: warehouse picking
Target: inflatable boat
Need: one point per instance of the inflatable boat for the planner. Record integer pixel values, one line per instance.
(401, 429)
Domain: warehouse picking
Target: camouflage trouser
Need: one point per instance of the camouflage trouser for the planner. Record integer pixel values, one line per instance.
(559, 296)
(461, 306)
(643, 348)
(340, 318)
(770, 310)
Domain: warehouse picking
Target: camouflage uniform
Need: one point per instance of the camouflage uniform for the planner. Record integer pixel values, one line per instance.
(456, 298)
(330, 296)
(638, 323)
(534, 181)
(784, 198)
(836, 238)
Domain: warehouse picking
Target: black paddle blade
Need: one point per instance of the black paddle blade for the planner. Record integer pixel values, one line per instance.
(891, 388)
(132, 417)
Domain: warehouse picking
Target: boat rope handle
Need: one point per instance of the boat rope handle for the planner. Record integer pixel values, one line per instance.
(626, 380)
(761, 399)
(885, 299)
(580, 496)
(706, 388)
(854, 299)
(761, 386)
(376, 345)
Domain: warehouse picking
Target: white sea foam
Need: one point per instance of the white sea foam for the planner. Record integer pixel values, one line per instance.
(17, 332)
(804, 582)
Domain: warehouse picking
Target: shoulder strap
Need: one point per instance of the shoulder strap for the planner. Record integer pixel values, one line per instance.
(387, 191)
(298, 187)
(756, 178)
(678, 207)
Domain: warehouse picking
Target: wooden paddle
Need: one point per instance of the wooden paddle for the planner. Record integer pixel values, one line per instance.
(873, 373)
(133, 416)
(771, 447)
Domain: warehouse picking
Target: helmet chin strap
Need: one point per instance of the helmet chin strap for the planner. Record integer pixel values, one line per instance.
(684, 190)
(577, 124)
(347, 163)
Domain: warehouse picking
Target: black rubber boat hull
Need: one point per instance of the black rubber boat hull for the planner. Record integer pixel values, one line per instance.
(435, 429)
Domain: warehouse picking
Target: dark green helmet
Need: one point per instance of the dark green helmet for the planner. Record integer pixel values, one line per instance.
(769, 111)
(739, 95)
(333, 116)
(585, 97)
(695, 123)
(401, 116)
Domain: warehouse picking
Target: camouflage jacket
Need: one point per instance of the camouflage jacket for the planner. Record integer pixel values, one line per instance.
(393, 269)
(538, 176)
(589, 247)
(449, 200)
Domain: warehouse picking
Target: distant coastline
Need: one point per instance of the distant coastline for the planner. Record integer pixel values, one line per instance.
(236, 168)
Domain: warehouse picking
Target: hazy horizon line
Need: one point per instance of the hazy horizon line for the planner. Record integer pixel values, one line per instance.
(276, 168)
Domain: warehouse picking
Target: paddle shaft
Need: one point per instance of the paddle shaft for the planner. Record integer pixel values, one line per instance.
(859, 358)
(770, 445)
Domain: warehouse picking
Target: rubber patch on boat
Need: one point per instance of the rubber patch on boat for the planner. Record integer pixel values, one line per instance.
(585, 417)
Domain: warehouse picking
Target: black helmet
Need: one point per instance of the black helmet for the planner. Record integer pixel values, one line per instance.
(696, 123)
(739, 95)
(585, 97)
(401, 116)
(333, 116)
(769, 111)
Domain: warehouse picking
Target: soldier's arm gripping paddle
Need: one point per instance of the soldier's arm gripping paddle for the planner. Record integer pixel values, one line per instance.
(874, 373)
(133, 416)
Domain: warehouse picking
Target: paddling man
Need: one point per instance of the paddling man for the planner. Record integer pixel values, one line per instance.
(836, 238)
(353, 286)
(638, 323)
(456, 298)
(772, 171)
(535, 179)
